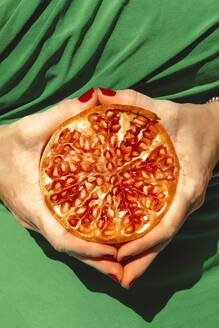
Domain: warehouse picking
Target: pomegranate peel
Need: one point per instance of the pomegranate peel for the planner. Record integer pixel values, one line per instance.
(109, 174)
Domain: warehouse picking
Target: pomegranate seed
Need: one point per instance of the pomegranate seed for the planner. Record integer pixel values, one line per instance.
(151, 132)
(110, 113)
(140, 121)
(99, 180)
(110, 166)
(86, 145)
(86, 166)
(159, 174)
(93, 117)
(108, 155)
(118, 152)
(102, 139)
(95, 212)
(130, 198)
(64, 193)
(65, 136)
(101, 223)
(113, 140)
(100, 167)
(145, 174)
(113, 179)
(170, 173)
(162, 151)
(54, 198)
(55, 172)
(103, 124)
(128, 182)
(130, 229)
(133, 205)
(57, 149)
(77, 202)
(115, 127)
(138, 212)
(69, 181)
(135, 153)
(57, 185)
(64, 168)
(107, 232)
(73, 221)
(65, 207)
(127, 157)
(83, 194)
(156, 205)
(110, 213)
(81, 211)
(109, 199)
(96, 127)
(127, 175)
(115, 190)
(138, 184)
(73, 167)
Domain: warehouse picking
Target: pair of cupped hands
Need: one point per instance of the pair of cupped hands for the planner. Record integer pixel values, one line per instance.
(194, 132)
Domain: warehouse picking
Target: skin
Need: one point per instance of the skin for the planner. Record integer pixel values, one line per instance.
(197, 146)
(21, 146)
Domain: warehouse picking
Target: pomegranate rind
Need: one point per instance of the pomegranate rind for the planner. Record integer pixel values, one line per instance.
(116, 234)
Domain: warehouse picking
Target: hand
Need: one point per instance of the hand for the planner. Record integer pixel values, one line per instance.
(194, 133)
(21, 146)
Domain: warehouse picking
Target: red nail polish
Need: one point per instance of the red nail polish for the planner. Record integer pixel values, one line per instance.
(86, 96)
(131, 283)
(113, 276)
(109, 257)
(107, 92)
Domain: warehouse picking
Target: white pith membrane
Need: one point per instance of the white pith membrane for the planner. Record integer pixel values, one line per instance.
(100, 180)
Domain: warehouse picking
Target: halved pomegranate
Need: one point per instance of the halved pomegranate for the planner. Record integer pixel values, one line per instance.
(109, 174)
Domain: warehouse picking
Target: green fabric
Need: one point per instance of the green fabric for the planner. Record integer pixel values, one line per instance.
(50, 50)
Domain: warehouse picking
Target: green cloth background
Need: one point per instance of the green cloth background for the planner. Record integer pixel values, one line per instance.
(50, 50)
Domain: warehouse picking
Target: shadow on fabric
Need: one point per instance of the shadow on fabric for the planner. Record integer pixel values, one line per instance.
(166, 85)
(178, 267)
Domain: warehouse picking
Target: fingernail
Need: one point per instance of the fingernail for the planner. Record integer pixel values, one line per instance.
(114, 277)
(125, 258)
(131, 283)
(86, 96)
(109, 257)
(107, 92)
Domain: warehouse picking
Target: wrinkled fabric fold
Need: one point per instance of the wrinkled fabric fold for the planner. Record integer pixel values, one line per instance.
(53, 50)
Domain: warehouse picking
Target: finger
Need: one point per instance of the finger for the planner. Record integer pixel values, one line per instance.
(126, 97)
(113, 269)
(137, 266)
(165, 109)
(47, 122)
(164, 231)
(64, 241)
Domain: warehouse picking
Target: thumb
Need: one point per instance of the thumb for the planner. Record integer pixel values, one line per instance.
(125, 97)
(47, 122)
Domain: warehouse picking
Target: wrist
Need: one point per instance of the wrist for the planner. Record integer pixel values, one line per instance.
(213, 108)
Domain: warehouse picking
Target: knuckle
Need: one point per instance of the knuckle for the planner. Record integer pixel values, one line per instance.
(24, 129)
(198, 187)
(131, 96)
(170, 231)
(58, 247)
